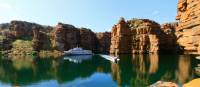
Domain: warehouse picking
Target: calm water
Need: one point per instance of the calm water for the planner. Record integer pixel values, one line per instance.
(131, 71)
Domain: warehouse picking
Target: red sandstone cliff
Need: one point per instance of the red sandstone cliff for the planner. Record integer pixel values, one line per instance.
(168, 38)
(144, 35)
(62, 37)
(120, 38)
(188, 30)
(104, 40)
(67, 37)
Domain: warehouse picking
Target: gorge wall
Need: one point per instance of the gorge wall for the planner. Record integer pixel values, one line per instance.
(67, 36)
(104, 40)
(188, 30)
(142, 36)
(120, 38)
(22, 37)
(147, 36)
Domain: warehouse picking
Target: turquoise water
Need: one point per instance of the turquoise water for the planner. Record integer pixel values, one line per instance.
(131, 71)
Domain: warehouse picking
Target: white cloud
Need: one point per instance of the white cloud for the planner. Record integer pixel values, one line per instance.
(155, 12)
(6, 6)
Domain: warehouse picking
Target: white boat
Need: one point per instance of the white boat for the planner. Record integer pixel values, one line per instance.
(111, 58)
(78, 51)
(78, 58)
(198, 57)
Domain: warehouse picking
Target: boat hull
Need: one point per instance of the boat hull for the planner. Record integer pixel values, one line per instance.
(76, 54)
(78, 51)
(111, 58)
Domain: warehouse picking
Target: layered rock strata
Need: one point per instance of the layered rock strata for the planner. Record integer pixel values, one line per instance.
(168, 38)
(104, 40)
(135, 36)
(120, 38)
(188, 30)
(67, 37)
(144, 35)
(88, 39)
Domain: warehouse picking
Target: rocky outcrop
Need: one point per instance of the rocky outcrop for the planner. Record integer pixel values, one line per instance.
(188, 30)
(65, 37)
(193, 83)
(104, 40)
(4, 26)
(41, 40)
(135, 36)
(5, 43)
(120, 38)
(21, 28)
(144, 35)
(164, 84)
(168, 38)
(88, 39)
(37, 34)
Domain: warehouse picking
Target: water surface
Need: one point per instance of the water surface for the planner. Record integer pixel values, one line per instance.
(95, 71)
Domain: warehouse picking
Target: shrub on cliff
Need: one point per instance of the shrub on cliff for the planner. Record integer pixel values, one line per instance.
(22, 47)
(2, 37)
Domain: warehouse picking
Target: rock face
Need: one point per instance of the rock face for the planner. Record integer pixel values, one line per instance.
(168, 38)
(120, 38)
(4, 26)
(188, 30)
(65, 37)
(5, 44)
(88, 39)
(144, 35)
(31, 31)
(41, 40)
(135, 36)
(62, 37)
(193, 83)
(104, 40)
(21, 28)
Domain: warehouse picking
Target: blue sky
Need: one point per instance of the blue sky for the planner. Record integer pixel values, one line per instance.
(98, 15)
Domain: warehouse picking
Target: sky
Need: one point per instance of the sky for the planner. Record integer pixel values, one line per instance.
(97, 15)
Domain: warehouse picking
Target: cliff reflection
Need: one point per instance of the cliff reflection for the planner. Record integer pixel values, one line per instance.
(27, 70)
(184, 68)
(143, 70)
(154, 61)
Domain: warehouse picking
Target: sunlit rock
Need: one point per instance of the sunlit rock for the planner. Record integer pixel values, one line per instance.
(188, 29)
(193, 83)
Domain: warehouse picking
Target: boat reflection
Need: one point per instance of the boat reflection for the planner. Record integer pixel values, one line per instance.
(78, 58)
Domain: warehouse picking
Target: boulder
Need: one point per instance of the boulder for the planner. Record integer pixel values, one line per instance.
(164, 84)
(193, 83)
